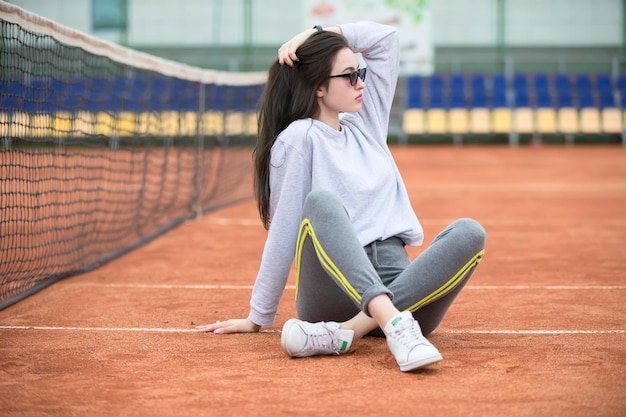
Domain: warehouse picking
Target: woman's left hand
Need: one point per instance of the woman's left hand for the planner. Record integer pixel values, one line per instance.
(230, 326)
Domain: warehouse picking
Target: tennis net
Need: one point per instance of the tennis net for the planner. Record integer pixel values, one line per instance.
(104, 148)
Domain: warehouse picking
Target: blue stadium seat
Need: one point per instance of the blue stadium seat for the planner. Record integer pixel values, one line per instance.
(414, 90)
(563, 91)
(604, 87)
(543, 93)
(521, 91)
(457, 91)
(478, 96)
(499, 91)
(584, 91)
(621, 88)
(436, 96)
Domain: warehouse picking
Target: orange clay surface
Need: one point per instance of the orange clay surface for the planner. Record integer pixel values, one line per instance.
(538, 331)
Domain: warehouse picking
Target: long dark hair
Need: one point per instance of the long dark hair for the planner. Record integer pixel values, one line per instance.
(290, 94)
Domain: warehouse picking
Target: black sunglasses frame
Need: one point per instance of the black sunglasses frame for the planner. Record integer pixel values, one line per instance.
(353, 76)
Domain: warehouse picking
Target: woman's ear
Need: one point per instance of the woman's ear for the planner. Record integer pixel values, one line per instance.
(319, 93)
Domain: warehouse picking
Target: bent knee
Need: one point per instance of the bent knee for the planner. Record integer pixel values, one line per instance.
(473, 231)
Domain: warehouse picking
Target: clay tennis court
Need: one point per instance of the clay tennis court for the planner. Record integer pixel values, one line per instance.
(540, 330)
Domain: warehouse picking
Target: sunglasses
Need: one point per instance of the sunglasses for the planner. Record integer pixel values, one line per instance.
(354, 76)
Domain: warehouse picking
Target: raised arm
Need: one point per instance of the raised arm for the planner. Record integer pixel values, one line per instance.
(379, 46)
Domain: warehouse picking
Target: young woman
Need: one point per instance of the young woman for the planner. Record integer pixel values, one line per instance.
(331, 196)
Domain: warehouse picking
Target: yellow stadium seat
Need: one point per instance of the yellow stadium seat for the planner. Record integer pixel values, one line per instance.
(21, 125)
(524, 120)
(590, 120)
(436, 121)
(234, 124)
(501, 120)
(250, 124)
(413, 122)
(5, 124)
(61, 124)
(40, 124)
(104, 125)
(458, 120)
(189, 124)
(213, 123)
(545, 120)
(611, 120)
(479, 121)
(169, 123)
(567, 120)
(127, 124)
(83, 124)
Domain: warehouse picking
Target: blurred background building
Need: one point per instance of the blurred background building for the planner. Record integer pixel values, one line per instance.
(465, 35)
(483, 69)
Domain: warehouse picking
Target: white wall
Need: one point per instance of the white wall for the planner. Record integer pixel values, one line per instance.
(455, 22)
(73, 13)
(563, 22)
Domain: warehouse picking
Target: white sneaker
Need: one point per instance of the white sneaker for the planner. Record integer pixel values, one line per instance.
(300, 339)
(408, 345)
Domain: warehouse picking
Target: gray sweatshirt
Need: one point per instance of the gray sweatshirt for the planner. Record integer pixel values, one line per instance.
(355, 164)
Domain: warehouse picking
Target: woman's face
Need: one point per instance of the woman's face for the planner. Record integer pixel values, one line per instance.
(338, 95)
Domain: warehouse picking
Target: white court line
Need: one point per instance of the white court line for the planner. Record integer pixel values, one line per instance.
(292, 287)
(179, 330)
(487, 223)
(526, 187)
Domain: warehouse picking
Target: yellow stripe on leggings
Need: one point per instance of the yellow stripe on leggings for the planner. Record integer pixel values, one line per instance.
(450, 284)
(307, 230)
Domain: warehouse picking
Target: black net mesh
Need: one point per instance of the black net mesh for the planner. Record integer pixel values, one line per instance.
(99, 156)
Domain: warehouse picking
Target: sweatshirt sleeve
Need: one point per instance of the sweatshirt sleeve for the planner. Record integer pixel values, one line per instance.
(290, 182)
(379, 46)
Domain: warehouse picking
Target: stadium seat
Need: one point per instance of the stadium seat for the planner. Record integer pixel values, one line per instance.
(61, 124)
(605, 91)
(479, 120)
(478, 96)
(524, 120)
(22, 125)
(567, 120)
(566, 113)
(501, 120)
(188, 123)
(104, 124)
(457, 92)
(499, 92)
(436, 121)
(501, 116)
(213, 123)
(590, 120)
(5, 124)
(521, 91)
(621, 89)
(234, 123)
(83, 124)
(126, 124)
(413, 122)
(458, 121)
(169, 123)
(545, 120)
(250, 124)
(436, 95)
(543, 92)
(414, 92)
(611, 120)
(584, 90)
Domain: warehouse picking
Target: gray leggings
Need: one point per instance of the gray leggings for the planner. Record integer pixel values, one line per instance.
(336, 277)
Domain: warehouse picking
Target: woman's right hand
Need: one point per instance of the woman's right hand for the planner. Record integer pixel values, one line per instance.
(287, 52)
(230, 326)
